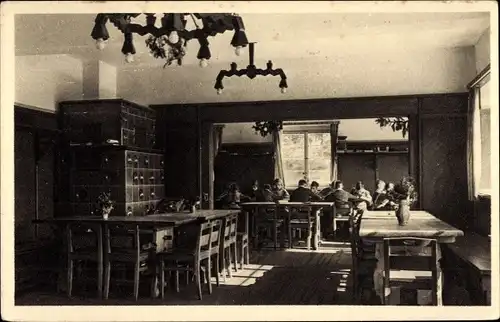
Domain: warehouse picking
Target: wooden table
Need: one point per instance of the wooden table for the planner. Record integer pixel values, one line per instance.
(283, 204)
(377, 225)
(159, 225)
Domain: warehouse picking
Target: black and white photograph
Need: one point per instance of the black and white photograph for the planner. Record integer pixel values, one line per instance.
(249, 161)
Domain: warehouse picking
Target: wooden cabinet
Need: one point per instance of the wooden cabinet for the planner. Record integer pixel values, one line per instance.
(130, 170)
(97, 121)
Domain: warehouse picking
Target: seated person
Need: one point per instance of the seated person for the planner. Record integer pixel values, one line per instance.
(234, 197)
(254, 190)
(315, 189)
(392, 205)
(279, 190)
(361, 193)
(381, 201)
(266, 194)
(340, 196)
(303, 194)
(325, 192)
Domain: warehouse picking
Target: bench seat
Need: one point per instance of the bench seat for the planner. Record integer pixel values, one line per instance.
(475, 251)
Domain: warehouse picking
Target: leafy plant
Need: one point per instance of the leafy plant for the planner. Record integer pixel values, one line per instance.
(267, 127)
(396, 123)
(104, 201)
(406, 188)
(174, 51)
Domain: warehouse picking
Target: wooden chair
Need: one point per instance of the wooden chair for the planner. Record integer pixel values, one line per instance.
(124, 250)
(266, 219)
(190, 259)
(362, 265)
(228, 243)
(300, 218)
(242, 242)
(84, 244)
(417, 257)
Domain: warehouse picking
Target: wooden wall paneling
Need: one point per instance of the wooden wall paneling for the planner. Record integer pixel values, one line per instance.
(207, 164)
(414, 153)
(357, 167)
(181, 160)
(314, 109)
(444, 171)
(391, 167)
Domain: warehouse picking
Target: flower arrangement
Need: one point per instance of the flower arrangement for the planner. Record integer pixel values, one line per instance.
(267, 127)
(396, 123)
(105, 203)
(174, 52)
(405, 189)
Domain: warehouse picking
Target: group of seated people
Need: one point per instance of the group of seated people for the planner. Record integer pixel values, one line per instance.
(359, 197)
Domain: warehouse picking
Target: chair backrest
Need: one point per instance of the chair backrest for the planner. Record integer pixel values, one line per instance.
(83, 235)
(215, 237)
(121, 237)
(204, 235)
(301, 212)
(354, 224)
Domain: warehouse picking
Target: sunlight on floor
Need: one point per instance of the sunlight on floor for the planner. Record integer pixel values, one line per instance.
(247, 276)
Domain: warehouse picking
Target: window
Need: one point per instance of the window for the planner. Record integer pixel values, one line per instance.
(485, 125)
(306, 155)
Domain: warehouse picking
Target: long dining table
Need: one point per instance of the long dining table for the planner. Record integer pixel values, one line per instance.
(377, 225)
(159, 225)
(316, 206)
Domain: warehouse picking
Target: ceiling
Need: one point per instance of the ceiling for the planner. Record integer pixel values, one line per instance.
(277, 35)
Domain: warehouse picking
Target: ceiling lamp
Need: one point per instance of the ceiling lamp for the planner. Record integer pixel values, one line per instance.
(172, 33)
(251, 72)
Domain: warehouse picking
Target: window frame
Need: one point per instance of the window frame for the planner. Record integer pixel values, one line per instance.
(483, 78)
(305, 133)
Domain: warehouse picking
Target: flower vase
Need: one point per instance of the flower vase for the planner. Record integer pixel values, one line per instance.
(105, 213)
(403, 212)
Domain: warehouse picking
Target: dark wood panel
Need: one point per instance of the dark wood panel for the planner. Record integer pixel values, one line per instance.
(181, 162)
(354, 168)
(242, 164)
(292, 109)
(392, 167)
(444, 104)
(444, 170)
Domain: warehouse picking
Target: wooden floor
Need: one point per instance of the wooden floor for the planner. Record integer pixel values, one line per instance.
(285, 277)
(273, 278)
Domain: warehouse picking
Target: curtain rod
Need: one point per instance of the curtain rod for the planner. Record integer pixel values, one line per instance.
(480, 77)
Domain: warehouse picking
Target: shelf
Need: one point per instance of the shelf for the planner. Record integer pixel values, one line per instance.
(114, 146)
(373, 152)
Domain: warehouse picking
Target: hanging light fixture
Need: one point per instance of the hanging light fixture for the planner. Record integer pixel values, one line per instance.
(172, 33)
(251, 72)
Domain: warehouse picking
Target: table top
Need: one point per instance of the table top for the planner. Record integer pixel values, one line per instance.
(423, 225)
(169, 219)
(391, 214)
(284, 203)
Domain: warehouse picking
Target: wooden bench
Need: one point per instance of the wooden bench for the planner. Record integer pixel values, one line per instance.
(474, 251)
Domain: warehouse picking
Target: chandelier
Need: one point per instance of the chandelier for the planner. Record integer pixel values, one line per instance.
(251, 72)
(172, 33)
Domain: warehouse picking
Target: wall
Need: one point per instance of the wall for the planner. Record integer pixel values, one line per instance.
(482, 51)
(43, 81)
(242, 133)
(377, 73)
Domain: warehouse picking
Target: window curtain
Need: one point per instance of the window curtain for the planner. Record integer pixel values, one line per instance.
(278, 156)
(334, 133)
(474, 143)
(216, 143)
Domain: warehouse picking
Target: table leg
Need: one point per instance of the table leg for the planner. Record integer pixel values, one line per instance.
(486, 286)
(378, 278)
(100, 258)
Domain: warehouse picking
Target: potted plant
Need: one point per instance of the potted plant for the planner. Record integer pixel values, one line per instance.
(105, 204)
(404, 194)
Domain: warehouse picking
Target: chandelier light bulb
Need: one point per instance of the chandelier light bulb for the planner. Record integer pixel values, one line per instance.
(219, 91)
(100, 43)
(203, 63)
(129, 58)
(173, 37)
(238, 50)
(283, 90)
